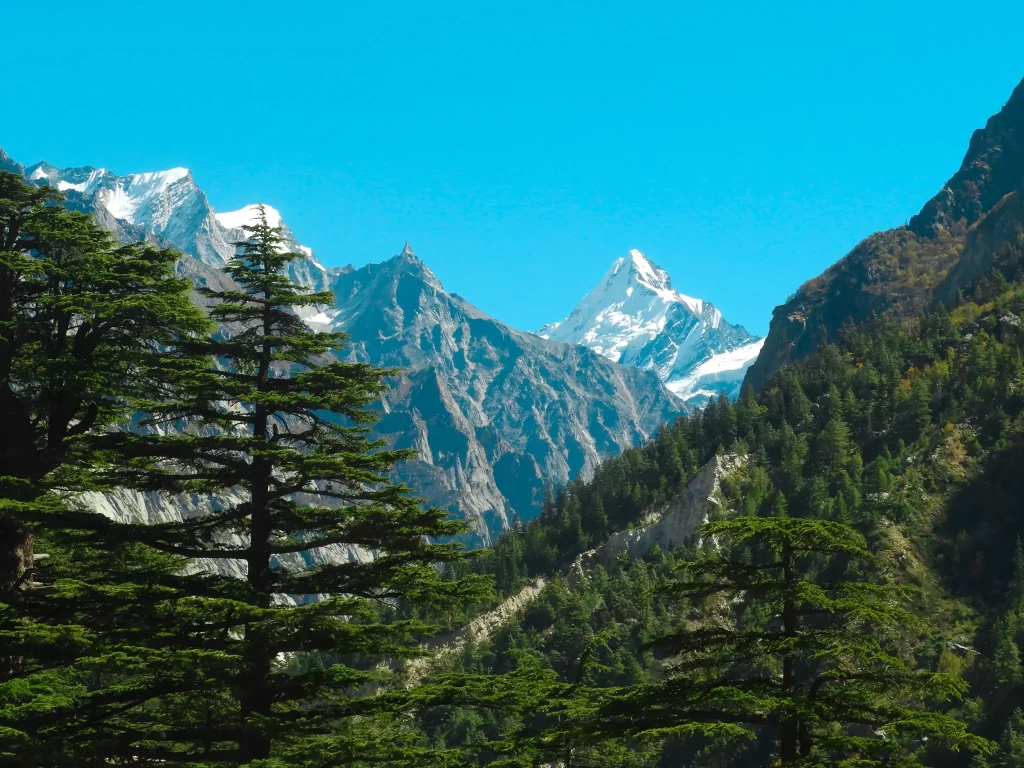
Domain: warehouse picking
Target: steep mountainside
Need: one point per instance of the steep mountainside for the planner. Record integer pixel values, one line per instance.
(8, 164)
(634, 317)
(941, 251)
(495, 415)
(910, 432)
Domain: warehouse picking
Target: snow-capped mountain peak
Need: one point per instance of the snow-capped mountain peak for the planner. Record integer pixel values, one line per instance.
(233, 221)
(634, 316)
(170, 207)
(645, 271)
(147, 199)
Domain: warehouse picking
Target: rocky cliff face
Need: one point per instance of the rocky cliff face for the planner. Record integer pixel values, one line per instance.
(676, 523)
(8, 164)
(672, 525)
(941, 251)
(494, 415)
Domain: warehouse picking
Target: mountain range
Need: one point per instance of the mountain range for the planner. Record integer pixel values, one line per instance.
(495, 415)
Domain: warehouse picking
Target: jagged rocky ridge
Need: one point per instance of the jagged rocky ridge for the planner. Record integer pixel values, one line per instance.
(938, 253)
(635, 317)
(495, 415)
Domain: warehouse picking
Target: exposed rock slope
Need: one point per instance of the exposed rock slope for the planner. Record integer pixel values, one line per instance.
(494, 414)
(672, 525)
(677, 522)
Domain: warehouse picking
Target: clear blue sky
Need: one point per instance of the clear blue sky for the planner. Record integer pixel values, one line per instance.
(521, 147)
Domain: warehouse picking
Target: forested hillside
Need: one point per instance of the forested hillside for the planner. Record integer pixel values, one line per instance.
(909, 432)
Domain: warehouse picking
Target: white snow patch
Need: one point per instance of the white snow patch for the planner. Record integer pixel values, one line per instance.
(628, 309)
(157, 179)
(726, 370)
(248, 215)
(145, 194)
(317, 318)
(305, 249)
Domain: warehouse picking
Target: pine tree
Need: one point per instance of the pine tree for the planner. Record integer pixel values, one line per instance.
(81, 319)
(84, 324)
(280, 429)
(1006, 661)
(1016, 592)
(1011, 744)
(817, 681)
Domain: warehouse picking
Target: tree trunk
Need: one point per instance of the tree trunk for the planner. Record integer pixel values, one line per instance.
(789, 727)
(258, 655)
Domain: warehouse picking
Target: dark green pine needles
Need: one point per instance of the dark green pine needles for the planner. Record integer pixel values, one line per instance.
(790, 645)
(83, 325)
(82, 321)
(260, 633)
(275, 429)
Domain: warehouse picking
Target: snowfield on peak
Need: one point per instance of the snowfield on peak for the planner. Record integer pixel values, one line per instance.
(168, 207)
(635, 317)
(248, 215)
(146, 193)
(722, 372)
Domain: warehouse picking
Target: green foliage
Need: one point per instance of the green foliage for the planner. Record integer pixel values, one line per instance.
(815, 678)
(907, 432)
(83, 327)
(278, 427)
(117, 648)
(872, 536)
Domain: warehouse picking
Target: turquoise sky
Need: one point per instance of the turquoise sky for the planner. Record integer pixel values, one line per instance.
(522, 147)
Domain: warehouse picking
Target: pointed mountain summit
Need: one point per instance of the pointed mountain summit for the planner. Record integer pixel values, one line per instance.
(495, 415)
(8, 164)
(635, 317)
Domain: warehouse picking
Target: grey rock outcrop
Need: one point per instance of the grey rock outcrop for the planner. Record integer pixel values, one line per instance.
(480, 628)
(676, 523)
(670, 526)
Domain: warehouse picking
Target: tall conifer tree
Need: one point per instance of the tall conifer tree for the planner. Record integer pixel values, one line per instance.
(279, 427)
(84, 327)
(815, 681)
(81, 323)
